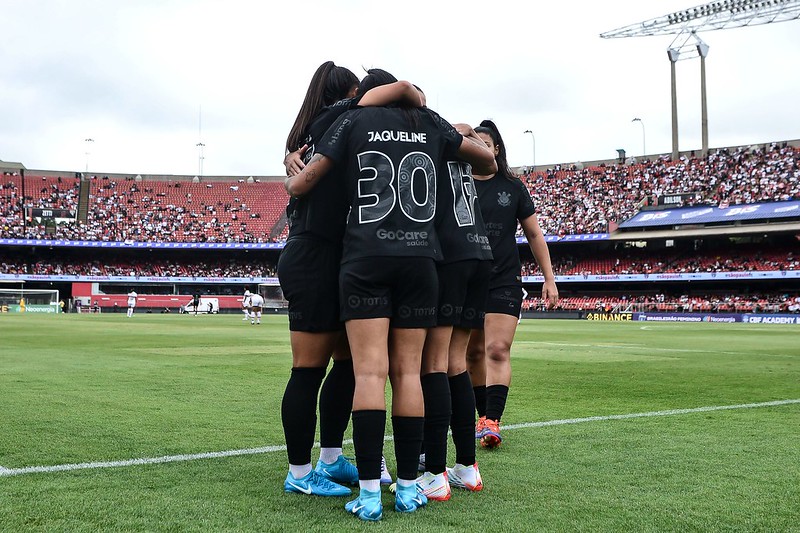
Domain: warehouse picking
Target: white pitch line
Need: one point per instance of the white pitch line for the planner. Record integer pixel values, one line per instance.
(6, 472)
(668, 412)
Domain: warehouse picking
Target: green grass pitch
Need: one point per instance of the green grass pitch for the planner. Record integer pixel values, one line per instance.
(82, 389)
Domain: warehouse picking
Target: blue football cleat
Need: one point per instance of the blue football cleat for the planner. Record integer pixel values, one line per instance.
(341, 471)
(314, 483)
(367, 506)
(408, 499)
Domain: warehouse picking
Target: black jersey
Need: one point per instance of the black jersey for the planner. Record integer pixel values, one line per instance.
(323, 211)
(459, 222)
(389, 166)
(503, 202)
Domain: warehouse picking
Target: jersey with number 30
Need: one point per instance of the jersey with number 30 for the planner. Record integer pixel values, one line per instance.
(391, 174)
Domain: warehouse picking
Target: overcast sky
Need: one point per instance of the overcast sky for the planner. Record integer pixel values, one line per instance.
(134, 75)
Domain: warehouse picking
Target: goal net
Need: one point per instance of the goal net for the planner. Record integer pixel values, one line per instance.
(29, 301)
(273, 295)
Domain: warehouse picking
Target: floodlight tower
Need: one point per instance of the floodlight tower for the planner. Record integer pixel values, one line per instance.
(686, 24)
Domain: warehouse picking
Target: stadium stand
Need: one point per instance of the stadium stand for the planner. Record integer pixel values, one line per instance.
(570, 201)
(590, 200)
(220, 268)
(744, 258)
(127, 209)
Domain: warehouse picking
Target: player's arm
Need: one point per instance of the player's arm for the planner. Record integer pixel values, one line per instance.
(475, 152)
(402, 92)
(303, 182)
(538, 246)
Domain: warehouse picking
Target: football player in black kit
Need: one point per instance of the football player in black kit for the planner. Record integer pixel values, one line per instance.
(308, 270)
(388, 282)
(504, 201)
(463, 284)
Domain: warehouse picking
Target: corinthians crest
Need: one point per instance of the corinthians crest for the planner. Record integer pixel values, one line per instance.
(503, 199)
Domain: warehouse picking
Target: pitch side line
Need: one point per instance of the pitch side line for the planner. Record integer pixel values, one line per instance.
(668, 412)
(5, 472)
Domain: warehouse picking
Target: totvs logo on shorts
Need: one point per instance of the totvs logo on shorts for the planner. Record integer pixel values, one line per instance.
(355, 301)
(406, 312)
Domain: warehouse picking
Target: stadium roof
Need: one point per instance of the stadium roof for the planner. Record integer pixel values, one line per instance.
(712, 16)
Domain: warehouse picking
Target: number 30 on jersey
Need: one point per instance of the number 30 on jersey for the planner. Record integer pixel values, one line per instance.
(379, 191)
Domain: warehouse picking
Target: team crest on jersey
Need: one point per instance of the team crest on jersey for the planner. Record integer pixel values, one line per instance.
(503, 199)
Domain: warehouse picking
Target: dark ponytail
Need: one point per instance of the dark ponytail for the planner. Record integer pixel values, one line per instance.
(375, 78)
(329, 84)
(490, 128)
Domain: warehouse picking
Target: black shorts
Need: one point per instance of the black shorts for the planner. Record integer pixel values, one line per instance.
(505, 300)
(463, 288)
(403, 289)
(308, 270)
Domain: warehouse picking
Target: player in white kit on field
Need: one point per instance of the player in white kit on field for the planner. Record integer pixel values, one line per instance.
(132, 297)
(256, 303)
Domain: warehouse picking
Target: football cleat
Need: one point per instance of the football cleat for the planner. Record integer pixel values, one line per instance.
(480, 428)
(408, 499)
(435, 486)
(367, 506)
(386, 477)
(340, 471)
(465, 477)
(491, 437)
(313, 483)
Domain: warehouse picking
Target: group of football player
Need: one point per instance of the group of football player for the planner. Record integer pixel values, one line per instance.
(252, 305)
(401, 263)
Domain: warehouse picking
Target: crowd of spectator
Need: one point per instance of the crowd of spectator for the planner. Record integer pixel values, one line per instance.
(743, 258)
(229, 268)
(569, 200)
(592, 199)
(142, 211)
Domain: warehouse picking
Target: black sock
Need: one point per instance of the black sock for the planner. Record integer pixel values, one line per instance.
(299, 413)
(368, 429)
(336, 403)
(436, 392)
(407, 443)
(496, 396)
(480, 399)
(462, 422)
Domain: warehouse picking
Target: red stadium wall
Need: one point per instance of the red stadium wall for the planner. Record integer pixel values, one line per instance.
(160, 301)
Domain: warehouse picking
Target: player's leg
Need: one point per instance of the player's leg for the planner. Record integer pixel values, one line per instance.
(405, 348)
(310, 355)
(436, 394)
(499, 331)
(368, 343)
(476, 367)
(312, 342)
(336, 406)
(415, 293)
(465, 473)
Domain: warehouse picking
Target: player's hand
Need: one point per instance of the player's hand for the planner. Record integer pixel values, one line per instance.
(550, 294)
(294, 161)
(463, 129)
